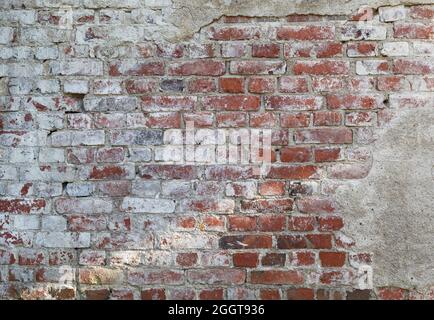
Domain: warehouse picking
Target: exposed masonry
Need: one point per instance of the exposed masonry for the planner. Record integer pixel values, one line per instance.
(91, 95)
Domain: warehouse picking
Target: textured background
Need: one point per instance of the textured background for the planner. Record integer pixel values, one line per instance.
(93, 93)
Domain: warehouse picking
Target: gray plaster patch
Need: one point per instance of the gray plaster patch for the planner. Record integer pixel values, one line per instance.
(391, 212)
(184, 18)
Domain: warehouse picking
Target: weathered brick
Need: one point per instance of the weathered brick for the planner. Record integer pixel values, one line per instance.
(198, 68)
(147, 205)
(134, 68)
(309, 32)
(326, 135)
(257, 67)
(327, 67)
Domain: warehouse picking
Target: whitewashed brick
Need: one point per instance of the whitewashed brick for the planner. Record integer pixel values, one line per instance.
(53, 223)
(394, 49)
(147, 205)
(6, 35)
(51, 155)
(390, 14)
(76, 86)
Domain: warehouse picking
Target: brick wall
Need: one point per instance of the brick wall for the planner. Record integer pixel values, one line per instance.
(90, 206)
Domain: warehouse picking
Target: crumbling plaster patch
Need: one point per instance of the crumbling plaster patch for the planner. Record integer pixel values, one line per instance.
(391, 211)
(186, 17)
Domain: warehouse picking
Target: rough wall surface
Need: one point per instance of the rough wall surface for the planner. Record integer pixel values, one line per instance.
(97, 200)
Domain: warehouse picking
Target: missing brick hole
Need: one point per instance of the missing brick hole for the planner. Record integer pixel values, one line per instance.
(50, 132)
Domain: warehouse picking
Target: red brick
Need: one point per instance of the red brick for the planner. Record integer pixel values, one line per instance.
(413, 66)
(362, 14)
(170, 50)
(242, 223)
(273, 259)
(294, 103)
(327, 118)
(231, 119)
(186, 222)
(114, 188)
(81, 223)
(300, 294)
(261, 85)
(332, 259)
(31, 258)
(301, 258)
(313, 50)
(231, 103)
(277, 277)
(352, 101)
(362, 49)
(97, 294)
(392, 293)
(201, 85)
(187, 259)
(327, 67)
(231, 85)
(293, 172)
(271, 50)
(245, 259)
(127, 68)
(390, 83)
(263, 120)
(108, 172)
(413, 30)
(293, 85)
(359, 118)
(291, 242)
(266, 205)
(153, 294)
(22, 206)
(308, 32)
(295, 154)
(245, 242)
(114, 154)
(228, 172)
(301, 223)
(269, 294)
(331, 277)
(233, 33)
(316, 205)
(211, 294)
(181, 294)
(200, 119)
(330, 223)
(257, 67)
(294, 120)
(327, 154)
(320, 241)
(422, 12)
(271, 223)
(272, 188)
(213, 222)
(203, 67)
(122, 294)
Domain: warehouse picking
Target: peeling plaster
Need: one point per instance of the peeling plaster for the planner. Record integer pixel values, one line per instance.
(391, 211)
(184, 18)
